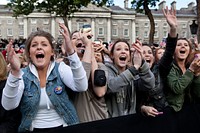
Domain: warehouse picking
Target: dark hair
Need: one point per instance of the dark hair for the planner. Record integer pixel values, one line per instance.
(191, 57)
(182, 38)
(106, 44)
(73, 33)
(102, 55)
(151, 47)
(190, 45)
(156, 51)
(117, 41)
(41, 33)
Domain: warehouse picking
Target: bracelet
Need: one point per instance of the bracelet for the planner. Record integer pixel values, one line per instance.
(72, 53)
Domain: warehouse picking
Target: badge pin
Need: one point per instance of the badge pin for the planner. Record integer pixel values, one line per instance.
(58, 90)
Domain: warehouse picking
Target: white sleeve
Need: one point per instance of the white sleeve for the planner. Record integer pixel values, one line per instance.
(74, 76)
(12, 92)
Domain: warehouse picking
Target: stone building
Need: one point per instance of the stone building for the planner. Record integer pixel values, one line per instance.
(185, 17)
(108, 23)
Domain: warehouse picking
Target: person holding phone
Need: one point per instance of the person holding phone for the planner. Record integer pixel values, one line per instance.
(90, 105)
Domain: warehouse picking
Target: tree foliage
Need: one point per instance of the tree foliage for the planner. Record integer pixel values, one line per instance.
(62, 8)
(142, 6)
(110, 3)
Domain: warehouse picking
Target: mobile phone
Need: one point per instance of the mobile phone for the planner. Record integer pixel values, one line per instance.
(105, 44)
(97, 42)
(86, 28)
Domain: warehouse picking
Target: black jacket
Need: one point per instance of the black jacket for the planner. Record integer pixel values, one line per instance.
(9, 120)
(156, 96)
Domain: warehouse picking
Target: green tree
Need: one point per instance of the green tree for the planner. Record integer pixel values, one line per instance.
(62, 8)
(143, 6)
(110, 3)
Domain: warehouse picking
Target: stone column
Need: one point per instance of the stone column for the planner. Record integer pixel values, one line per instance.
(109, 30)
(53, 30)
(70, 25)
(25, 27)
(93, 29)
(133, 31)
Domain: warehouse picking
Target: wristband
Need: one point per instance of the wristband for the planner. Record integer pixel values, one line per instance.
(71, 53)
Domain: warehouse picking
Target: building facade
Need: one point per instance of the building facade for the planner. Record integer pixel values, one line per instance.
(108, 23)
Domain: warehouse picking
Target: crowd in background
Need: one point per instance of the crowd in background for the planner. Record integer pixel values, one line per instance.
(48, 84)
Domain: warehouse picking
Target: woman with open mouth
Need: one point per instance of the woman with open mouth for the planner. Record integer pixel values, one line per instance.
(40, 88)
(183, 93)
(125, 75)
(90, 104)
(154, 103)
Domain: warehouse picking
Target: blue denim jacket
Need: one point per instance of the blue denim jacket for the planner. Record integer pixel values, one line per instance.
(30, 99)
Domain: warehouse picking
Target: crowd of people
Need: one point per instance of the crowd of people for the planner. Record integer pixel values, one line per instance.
(43, 89)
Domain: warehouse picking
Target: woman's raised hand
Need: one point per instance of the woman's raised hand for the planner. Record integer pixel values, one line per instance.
(13, 59)
(85, 36)
(68, 45)
(170, 16)
(137, 54)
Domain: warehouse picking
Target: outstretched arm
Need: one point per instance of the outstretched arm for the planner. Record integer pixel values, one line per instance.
(13, 60)
(14, 87)
(77, 75)
(167, 58)
(170, 16)
(68, 45)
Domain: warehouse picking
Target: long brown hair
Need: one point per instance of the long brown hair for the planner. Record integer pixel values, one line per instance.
(3, 70)
(190, 45)
(42, 33)
(191, 57)
(117, 41)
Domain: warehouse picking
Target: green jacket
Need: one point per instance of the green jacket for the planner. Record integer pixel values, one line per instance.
(180, 87)
(196, 89)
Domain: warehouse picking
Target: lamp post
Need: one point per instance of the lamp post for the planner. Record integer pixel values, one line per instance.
(193, 28)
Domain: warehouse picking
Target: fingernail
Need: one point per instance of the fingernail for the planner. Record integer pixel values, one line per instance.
(160, 113)
(195, 56)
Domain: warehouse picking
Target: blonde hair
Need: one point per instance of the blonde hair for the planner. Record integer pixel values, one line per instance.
(3, 70)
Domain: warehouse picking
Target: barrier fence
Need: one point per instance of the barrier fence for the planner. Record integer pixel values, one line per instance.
(185, 121)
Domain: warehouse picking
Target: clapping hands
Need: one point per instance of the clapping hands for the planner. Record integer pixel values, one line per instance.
(195, 65)
(137, 54)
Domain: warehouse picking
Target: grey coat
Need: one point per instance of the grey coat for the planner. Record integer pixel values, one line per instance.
(121, 94)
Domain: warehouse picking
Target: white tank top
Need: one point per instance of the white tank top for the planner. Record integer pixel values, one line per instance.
(46, 117)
